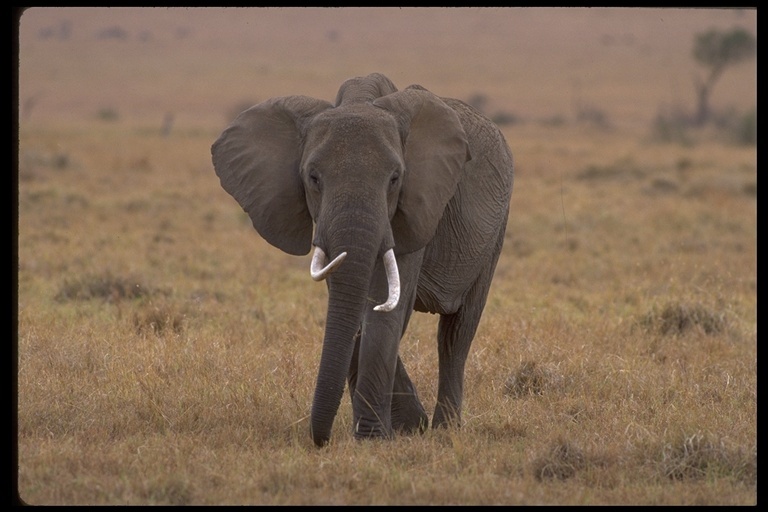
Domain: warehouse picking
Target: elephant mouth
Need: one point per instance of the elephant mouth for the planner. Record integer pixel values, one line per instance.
(320, 268)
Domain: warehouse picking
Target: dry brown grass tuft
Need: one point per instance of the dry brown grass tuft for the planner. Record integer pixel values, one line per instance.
(159, 319)
(561, 462)
(532, 378)
(105, 286)
(699, 457)
(679, 318)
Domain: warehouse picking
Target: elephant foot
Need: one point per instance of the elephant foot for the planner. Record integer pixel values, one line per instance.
(446, 417)
(408, 415)
(371, 430)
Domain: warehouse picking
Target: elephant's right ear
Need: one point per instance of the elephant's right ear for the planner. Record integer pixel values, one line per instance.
(257, 160)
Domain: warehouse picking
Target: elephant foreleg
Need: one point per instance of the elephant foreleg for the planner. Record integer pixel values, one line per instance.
(384, 399)
(352, 375)
(408, 413)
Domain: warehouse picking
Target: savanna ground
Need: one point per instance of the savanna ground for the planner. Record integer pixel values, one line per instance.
(167, 355)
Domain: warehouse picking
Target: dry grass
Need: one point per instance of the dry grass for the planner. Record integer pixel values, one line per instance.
(167, 355)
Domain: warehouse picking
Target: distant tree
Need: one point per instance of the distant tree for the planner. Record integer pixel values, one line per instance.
(717, 50)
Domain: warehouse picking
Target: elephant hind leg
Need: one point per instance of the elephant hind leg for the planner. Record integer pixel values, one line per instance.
(408, 415)
(455, 333)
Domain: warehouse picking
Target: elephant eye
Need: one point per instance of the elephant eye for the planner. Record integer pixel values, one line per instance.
(314, 179)
(395, 177)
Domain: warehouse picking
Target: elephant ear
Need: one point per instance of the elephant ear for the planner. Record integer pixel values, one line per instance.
(436, 150)
(257, 160)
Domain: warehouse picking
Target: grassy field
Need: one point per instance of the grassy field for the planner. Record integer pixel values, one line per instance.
(166, 354)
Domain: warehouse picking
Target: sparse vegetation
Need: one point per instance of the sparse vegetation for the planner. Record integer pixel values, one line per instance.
(533, 378)
(104, 286)
(592, 115)
(108, 114)
(740, 128)
(672, 126)
(678, 127)
(503, 118)
(166, 355)
(718, 50)
(679, 318)
(715, 50)
(562, 461)
(159, 319)
(622, 170)
(698, 457)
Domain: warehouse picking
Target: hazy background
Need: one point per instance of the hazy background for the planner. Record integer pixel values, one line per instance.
(534, 63)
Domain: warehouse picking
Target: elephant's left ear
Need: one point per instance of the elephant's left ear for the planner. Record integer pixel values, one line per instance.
(436, 150)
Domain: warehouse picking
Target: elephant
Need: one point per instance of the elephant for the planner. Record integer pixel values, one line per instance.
(408, 194)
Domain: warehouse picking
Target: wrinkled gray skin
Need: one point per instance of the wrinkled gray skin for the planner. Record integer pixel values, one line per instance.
(429, 177)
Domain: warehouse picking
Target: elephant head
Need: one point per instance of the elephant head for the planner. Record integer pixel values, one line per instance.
(374, 172)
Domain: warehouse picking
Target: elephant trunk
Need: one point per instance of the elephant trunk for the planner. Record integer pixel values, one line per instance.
(347, 301)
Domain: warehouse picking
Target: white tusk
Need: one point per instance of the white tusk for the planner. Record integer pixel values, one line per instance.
(319, 270)
(393, 279)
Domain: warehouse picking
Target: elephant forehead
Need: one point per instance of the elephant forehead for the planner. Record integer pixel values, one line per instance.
(362, 128)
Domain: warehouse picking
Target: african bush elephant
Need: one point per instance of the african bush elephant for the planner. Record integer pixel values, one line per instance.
(409, 194)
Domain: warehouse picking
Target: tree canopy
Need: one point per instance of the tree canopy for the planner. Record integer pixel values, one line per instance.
(717, 50)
